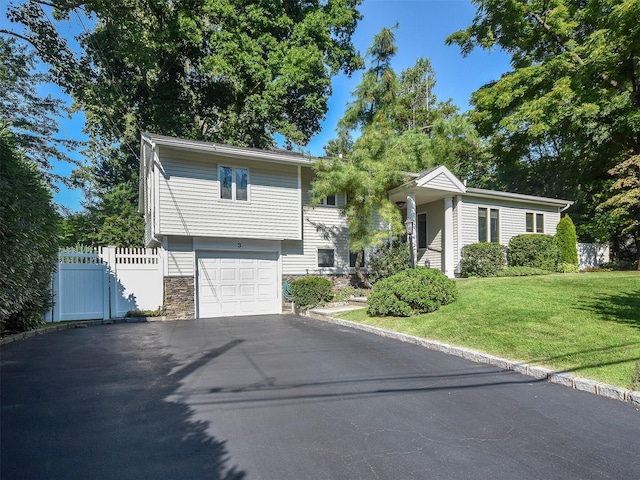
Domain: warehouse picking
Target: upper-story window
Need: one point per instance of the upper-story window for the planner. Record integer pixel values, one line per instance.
(234, 183)
(329, 200)
(539, 222)
(488, 225)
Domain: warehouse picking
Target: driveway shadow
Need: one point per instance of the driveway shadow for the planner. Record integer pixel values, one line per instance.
(91, 403)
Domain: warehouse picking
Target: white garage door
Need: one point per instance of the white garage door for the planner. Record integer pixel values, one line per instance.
(233, 283)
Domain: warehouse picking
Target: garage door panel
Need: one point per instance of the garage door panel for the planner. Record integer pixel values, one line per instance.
(237, 283)
(265, 290)
(247, 274)
(228, 274)
(247, 290)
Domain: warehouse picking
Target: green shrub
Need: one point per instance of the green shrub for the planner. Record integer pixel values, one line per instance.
(534, 250)
(565, 267)
(483, 259)
(521, 272)
(567, 241)
(28, 240)
(388, 260)
(619, 265)
(158, 312)
(411, 292)
(309, 292)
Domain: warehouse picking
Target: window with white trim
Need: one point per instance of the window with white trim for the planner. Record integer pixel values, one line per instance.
(326, 257)
(234, 183)
(539, 222)
(488, 224)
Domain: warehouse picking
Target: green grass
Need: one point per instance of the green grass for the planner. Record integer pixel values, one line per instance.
(586, 324)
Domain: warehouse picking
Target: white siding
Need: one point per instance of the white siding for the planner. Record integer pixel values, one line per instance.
(179, 256)
(190, 205)
(442, 182)
(512, 218)
(323, 227)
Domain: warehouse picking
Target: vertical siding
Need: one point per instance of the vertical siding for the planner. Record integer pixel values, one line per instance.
(190, 204)
(180, 256)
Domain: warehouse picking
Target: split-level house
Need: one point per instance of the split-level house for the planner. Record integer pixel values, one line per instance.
(233, 223)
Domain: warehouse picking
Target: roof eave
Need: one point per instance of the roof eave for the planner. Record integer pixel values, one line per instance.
(229, 150)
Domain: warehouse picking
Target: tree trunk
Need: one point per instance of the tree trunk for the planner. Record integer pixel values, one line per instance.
(359, 274)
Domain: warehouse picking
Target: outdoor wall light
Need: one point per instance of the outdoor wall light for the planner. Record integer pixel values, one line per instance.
(400, 203)
(408, 224)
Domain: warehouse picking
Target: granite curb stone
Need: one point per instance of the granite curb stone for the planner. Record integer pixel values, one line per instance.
(539, 373)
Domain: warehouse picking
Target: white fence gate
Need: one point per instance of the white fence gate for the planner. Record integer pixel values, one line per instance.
(105, 282)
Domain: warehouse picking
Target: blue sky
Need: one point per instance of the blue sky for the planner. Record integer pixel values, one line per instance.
(423, 28)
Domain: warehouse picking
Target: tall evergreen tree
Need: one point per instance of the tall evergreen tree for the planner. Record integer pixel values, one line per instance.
(32, 118)
(402, 127)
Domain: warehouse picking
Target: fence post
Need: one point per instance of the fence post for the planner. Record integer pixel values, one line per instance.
(55, 280)
(108, 255)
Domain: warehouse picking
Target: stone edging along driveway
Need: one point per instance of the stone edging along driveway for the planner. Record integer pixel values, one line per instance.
(539, 373)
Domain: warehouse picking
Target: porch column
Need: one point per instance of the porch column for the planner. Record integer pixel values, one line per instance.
(448, 238)
(411, 215)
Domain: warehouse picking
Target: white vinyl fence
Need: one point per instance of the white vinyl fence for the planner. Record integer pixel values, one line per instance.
(592, 255)
(105, 282)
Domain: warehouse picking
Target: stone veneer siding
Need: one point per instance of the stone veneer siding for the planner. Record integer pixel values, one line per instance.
(179, 297)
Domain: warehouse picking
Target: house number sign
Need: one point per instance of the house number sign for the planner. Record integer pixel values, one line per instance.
(239, 245)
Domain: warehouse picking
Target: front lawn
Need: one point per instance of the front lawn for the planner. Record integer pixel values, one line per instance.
(587, 324)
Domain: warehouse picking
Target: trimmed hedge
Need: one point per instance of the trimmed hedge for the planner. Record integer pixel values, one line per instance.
(567, 240)
(534, 250)
(387, 260)
(309, 292)
(483, 259)
(28, 239)
(521, 272)
(411, 292)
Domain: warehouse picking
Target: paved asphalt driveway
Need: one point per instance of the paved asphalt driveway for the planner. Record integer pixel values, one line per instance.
(280, 397)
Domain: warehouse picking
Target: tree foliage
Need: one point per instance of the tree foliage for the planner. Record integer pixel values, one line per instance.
(567, 240)
(230, 71)
(32, 118)
(402, 127)
(28, 238)
(624, 205)
(569, 111)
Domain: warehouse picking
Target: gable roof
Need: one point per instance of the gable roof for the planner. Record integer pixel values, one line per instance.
(438, 182)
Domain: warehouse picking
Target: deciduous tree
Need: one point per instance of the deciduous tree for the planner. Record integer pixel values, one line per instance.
(569, 111)
(231, 71)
